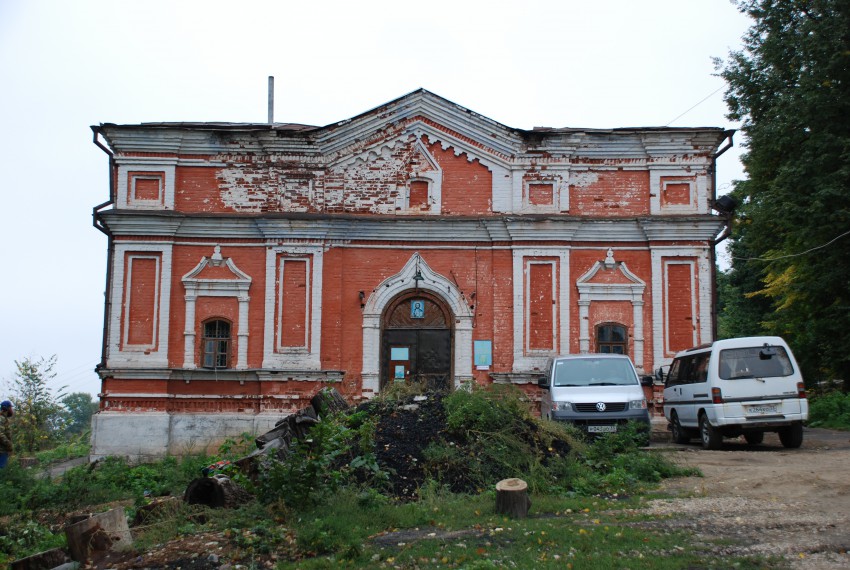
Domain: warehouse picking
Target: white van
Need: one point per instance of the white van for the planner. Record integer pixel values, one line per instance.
(738, 386)
(596, 392)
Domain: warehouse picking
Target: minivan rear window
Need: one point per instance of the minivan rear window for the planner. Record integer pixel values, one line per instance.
(754, 362)
(594, 372)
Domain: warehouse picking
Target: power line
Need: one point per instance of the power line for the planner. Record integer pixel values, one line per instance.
(793, 254)
(696, 105)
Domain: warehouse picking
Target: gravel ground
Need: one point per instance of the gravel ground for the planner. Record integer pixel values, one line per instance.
(766, 499)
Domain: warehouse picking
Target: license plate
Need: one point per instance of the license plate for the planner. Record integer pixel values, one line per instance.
(761, 410)
(601, 429)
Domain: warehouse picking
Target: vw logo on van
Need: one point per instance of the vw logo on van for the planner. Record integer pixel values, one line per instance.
(600, 406)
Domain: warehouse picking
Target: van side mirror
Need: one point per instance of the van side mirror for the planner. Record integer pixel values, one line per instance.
(767, 352)
(659, 375)
(543, 382)
(646, 381)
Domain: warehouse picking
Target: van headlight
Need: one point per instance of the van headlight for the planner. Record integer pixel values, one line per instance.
(562, 406)
(638, 404)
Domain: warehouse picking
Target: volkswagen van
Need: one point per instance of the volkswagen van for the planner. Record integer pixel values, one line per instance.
(598, 393)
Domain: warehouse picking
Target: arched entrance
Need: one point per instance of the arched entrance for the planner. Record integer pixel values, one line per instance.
(416, 341)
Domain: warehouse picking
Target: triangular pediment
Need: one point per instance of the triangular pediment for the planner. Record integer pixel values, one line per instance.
(609, 273)
(422, 114)
(217, 268)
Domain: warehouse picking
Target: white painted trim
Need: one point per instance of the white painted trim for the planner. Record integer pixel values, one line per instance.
(295, 358)
(526, 310)
(433, 177)
(397, 284)
(165, 166)
(133, 357)
(666, 280)
(141, 203)
(559, 179)
(631, 291)
(128, 299)
(279, 311)
(702, 297)
(523, 361)
(696, 177)
(197, 287)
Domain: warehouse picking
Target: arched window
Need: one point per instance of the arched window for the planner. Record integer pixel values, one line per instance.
(612, 339)
(216, 343)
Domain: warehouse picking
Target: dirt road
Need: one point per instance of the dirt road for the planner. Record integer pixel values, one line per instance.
(766, 499)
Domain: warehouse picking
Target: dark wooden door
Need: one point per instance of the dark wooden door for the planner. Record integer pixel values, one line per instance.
(418, 355)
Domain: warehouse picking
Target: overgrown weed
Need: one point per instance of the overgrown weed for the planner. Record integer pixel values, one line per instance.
(830, 410)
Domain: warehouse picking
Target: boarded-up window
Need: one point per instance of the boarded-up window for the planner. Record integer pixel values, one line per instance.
(541, 194)
(418, 194)
(140, 309)
(680, 307)
(540, 331)
(294, 305)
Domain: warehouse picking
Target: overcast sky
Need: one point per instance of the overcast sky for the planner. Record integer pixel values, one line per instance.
(67, 65)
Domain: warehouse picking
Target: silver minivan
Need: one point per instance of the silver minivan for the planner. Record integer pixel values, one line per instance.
(598, 393)
(733, 387)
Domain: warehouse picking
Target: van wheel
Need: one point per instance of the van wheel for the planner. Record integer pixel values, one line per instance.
(680, 434)
(711, 438)
(754, 437)
(792, 436)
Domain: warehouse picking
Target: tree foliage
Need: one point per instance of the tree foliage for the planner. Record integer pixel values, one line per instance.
(79, 408)
(39, 418)
(790, 87)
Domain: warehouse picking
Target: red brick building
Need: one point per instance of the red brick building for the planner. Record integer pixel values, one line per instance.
(252, 264)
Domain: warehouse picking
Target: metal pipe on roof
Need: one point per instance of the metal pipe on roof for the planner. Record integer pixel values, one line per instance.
(271, 99)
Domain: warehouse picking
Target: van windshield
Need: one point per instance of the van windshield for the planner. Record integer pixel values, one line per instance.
(594, 372)
(754, 362)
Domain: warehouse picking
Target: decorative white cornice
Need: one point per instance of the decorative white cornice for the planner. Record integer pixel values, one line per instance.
(345, 229)
(327, 141)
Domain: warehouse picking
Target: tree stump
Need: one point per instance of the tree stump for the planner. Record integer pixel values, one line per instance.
(217, 492)
(97, 534)
(328, 402)
(512, 498)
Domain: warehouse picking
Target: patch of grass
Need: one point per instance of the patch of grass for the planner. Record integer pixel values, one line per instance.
(78, 446)
(443, 530)
(830, 410)
(112, 479)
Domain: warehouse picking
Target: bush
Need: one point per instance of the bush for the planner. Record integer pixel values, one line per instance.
(338, 452)
(830, 410)
(491, 435)
(21, 536)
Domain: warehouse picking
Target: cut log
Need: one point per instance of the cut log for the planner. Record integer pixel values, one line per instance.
(98, 534)
(218, 491)
(512, 498)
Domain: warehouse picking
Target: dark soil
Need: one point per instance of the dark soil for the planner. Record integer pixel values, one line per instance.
(407, 428)
(403, 433)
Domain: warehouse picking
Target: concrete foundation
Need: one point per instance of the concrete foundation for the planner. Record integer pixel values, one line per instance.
(149, 436)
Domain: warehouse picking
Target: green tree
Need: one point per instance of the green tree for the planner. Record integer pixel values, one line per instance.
(790, 87)
(39, 418)
(80, 408)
